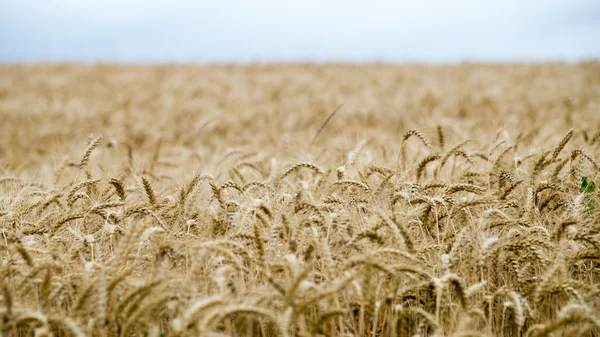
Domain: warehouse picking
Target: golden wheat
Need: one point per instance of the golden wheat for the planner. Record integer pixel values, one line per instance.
(202, 213)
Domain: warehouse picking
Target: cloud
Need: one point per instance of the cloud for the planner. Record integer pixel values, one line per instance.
(352, 30)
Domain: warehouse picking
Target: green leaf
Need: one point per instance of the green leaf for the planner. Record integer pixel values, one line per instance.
(591, 187)
(587, 187)
(591, 205)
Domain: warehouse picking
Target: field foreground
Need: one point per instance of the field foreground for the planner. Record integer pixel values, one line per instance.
(217, 200)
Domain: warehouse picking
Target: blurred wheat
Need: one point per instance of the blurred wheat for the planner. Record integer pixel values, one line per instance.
(182, 200)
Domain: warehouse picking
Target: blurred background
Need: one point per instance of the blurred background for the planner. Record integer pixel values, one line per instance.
(431, 31)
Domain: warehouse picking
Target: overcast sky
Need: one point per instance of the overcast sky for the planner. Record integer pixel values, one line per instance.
(308, 30)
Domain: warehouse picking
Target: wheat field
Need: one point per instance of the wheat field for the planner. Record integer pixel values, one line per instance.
(300, 200)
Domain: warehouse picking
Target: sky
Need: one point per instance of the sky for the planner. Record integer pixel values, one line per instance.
(428, 31)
